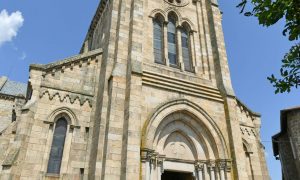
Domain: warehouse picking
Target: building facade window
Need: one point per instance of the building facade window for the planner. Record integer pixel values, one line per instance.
(186, 49)
(158, 40)
(57, 146)
(172, 47)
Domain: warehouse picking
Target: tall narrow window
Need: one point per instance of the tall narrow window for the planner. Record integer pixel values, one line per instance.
(158, 40)
(57, 147)
(185, 44)
(172, 41)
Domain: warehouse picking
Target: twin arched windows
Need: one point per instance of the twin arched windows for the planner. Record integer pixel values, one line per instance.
(175, 45)
(57, 148)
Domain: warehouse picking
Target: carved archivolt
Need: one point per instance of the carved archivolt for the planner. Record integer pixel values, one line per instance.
(62, 96)
(200, 133)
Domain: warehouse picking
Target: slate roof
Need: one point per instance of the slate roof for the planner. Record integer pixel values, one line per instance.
(12, 88)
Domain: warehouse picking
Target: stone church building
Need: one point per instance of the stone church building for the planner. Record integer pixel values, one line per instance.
(149, 97)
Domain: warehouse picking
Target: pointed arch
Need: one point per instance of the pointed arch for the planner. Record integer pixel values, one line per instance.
(185, 22)
(64, 112)
(158, 12)
(197, 118)
(173, 11)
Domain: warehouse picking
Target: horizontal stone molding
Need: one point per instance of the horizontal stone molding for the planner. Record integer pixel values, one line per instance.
(10, 97)
(178, 85)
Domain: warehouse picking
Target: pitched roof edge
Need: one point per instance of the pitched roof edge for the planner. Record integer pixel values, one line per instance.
(283, 128)
(247, 108)
(3, 80)
(69, 60)
(11, 97)
(94, 21)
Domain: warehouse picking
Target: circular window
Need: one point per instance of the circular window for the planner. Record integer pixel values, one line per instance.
(178, 1)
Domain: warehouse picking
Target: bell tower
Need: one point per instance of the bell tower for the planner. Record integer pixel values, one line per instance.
(164, 65)
(149, 97)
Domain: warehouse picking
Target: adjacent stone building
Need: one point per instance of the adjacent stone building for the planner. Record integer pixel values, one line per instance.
(149, 97)
(12, 98)
(286, 144)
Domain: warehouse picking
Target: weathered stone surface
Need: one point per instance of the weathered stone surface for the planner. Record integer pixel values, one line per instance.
(286, 144)
(131, 118)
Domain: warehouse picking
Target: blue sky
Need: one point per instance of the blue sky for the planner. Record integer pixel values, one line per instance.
(55, 29)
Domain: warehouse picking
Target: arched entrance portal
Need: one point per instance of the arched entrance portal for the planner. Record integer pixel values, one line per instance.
(185, 144)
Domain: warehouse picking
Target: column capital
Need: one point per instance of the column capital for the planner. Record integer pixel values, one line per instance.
(224, 164)
(211, 164)
(199, 165)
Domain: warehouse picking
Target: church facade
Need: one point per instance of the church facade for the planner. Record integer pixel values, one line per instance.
(149, 97)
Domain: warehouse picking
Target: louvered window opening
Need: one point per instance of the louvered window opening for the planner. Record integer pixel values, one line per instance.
(158, 41)
(172, 51)
(57, 147)
(185, 44)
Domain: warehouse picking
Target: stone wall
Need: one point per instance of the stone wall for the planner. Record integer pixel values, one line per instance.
(6, 107)
(116, 101)
(64, 89)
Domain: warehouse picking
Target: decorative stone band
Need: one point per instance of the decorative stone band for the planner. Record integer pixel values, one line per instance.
(65, 94)
(221, 164)
(218, 167)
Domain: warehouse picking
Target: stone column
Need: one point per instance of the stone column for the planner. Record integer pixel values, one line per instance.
(166, 59)
(193, 54)
(211, 167)
(179, 47)
(199, 167)
(160, 166)
(202, 39)
(222, 169)
(148, 157)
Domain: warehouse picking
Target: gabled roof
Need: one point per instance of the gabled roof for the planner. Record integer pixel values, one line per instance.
(283, 128)
(12, 88)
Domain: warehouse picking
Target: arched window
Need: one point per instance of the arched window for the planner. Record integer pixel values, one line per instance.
(158, 40)
(172, 51)
(248, 163)
(57, 147)
(186, 53)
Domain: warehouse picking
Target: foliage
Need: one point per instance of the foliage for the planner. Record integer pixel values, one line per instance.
(290, 71)
(268, 13)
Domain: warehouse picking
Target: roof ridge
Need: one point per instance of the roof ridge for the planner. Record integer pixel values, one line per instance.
(3, 80)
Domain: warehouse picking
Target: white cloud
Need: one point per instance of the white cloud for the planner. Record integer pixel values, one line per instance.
(9, 25)
(23, 56)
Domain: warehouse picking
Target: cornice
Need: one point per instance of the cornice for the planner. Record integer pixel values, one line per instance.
(10, 97)
(243, 107)
(67, 61)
